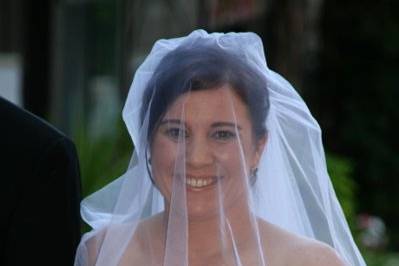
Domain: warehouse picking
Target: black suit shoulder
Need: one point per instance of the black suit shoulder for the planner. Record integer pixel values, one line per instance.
(40, 190)
(25, 141)
(22, 126)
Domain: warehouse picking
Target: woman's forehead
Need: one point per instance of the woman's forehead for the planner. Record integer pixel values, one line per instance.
(212, 104)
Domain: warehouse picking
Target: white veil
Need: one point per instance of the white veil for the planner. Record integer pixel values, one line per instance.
(196, 192)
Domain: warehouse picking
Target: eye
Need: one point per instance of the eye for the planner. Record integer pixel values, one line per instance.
(223, 135)
(176, 133)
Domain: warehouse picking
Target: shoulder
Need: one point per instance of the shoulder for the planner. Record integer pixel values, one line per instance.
(292, 249)
(22, 123)
(310, 252)
(29, 140)
(111, 238)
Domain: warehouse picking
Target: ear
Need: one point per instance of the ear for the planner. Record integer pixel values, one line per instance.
(259, 147)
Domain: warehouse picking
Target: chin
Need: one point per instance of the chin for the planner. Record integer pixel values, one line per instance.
(205, 208)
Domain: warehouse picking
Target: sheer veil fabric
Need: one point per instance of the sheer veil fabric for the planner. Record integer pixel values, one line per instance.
(228, 161)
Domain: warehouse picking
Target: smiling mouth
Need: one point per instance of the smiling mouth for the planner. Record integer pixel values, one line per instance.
(200, 182)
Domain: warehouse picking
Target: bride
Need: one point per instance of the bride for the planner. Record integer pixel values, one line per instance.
(228, 167)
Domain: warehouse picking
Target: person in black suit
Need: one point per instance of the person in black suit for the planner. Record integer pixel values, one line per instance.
(39, 192)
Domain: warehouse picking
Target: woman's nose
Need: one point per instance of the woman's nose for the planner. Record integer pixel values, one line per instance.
(198, 153)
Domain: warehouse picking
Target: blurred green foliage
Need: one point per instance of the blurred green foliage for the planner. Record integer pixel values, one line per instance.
(380, 258)
(340, 170)
(104, 158)
(341, 173)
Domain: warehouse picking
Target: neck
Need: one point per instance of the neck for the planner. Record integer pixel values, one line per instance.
(216, 234)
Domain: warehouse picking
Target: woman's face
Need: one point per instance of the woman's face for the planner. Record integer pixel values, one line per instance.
(205, 145)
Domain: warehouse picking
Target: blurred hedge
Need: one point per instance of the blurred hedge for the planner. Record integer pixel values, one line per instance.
(104, 158)
(340, 170)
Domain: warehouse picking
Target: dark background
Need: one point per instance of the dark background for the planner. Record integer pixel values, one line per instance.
(78, 58)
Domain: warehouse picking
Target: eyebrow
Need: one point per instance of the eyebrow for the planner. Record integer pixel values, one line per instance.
(216, 124)
(173, 121)
(226, 124)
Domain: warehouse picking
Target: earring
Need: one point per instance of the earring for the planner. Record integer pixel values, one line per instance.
(253, 175)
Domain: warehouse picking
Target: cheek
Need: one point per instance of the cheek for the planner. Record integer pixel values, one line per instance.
(236, 157)
(234, 165)
(230, 161)
(163, 158)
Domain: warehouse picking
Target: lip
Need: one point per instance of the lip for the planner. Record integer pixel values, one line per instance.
(201, 182)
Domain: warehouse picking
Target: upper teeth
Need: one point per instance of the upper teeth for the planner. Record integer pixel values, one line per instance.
(198, 182)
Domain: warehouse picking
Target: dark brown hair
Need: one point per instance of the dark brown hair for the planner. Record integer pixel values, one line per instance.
(202, 67)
